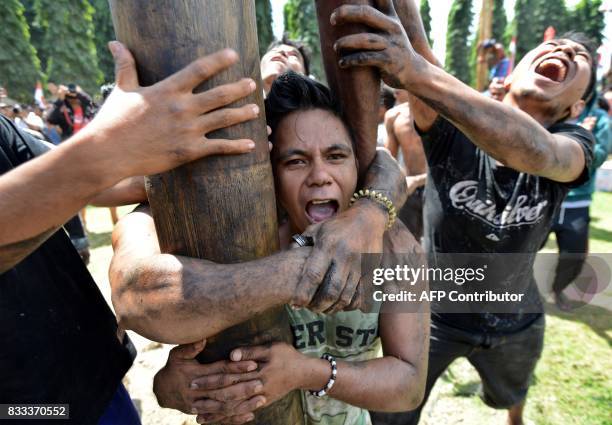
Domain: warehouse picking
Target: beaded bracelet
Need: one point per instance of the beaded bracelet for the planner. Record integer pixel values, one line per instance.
(332, 379)
(380, 199)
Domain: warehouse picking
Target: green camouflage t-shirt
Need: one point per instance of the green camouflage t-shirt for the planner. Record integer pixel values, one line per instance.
(348, 336)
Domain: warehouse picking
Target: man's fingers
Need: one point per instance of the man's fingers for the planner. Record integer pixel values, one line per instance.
(227, 117)
(187, 351)
(222, 380)
(352, 280)
(258, 352)
(237, 392)
(227, 147)
(361, 41)
(329, 291)
(125, 66)
(223, 95)
(312, 275)
(376, 59)
(366, 15)
(213, 407)
(201, 70)
(225, 366)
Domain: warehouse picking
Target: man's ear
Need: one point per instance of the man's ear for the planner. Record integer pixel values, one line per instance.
(576, 109)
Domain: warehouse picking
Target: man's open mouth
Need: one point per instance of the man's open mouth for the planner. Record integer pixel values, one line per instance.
(319, 210)
(554, 69)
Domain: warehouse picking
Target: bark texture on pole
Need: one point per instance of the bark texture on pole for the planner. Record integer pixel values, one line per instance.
(485, 32)
(358, 89)
(219, 208)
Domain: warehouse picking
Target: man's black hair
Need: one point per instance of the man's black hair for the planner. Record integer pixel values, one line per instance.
(301, 47)
(387, 98)
(292, 92)
(603, 104)
(589, 44)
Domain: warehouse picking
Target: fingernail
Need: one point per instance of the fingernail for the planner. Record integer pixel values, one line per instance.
(194, 386)
(258, 388)
(256, 109)
(236, 355)
(194, 411)
(251, 145)
(251, 367)
(335, 47)
(231, 54)
(332, 18)
(260, 403)
(252, 85)
(250, 417)
(114, 47)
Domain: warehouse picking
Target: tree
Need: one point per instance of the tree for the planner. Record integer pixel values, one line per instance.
(103, 33)
(265, 35)
(457, 39)
(426, 17)
(587, 18)
(524, 27)
(301, 23)
(19, 65)
(500, 21)
(68, 43)
(550, 13)
(36, 32)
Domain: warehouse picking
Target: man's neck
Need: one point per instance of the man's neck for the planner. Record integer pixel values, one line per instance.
(530, 109)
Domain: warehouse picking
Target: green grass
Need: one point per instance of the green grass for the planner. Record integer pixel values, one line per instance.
(573, 380)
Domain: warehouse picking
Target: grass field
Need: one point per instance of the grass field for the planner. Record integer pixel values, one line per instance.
(573, 381)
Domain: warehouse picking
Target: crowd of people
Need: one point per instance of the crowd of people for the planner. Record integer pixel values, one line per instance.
(487, 174)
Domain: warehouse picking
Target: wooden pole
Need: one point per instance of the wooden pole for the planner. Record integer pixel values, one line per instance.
(358, 89)
(485, 31)
(219, 208)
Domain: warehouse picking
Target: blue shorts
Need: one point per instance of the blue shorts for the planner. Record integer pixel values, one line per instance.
(121, 410)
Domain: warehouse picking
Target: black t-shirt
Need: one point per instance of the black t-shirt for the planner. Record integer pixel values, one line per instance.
(473, 205)
(59, 337)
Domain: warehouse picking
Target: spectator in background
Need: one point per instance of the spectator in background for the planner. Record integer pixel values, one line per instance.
(72, 110)
(405, 144)
(608, 97)
(282, 56)
(387, 101)
(497, 89)
(571, 225)
(493, 53)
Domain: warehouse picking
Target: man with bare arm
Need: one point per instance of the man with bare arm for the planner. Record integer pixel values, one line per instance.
(60, 340)
(498, 172)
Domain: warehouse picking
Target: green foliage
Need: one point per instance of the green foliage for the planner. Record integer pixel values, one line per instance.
(19, 65)
(36, 32)
(524, 27)
(550, 13)
(68, 42)
(425, 11)
(301, 23)
(103, 33)
(265, 35)
(587, 18)
(457, 39)
(500, 21)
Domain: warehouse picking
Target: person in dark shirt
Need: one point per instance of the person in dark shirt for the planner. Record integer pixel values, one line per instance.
(61, 342)
(498, 172)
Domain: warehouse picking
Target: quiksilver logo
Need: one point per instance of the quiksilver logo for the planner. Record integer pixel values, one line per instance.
(463, 196)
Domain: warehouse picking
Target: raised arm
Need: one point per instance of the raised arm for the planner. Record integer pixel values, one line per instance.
(504, 132)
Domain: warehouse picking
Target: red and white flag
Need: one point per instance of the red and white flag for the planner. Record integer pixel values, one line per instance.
(39, 96)
(512, 50)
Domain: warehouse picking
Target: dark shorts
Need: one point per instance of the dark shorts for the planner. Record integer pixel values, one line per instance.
(505, 364)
